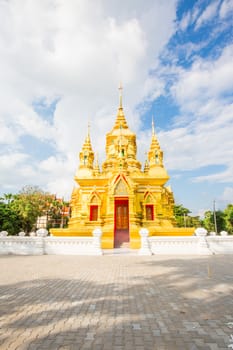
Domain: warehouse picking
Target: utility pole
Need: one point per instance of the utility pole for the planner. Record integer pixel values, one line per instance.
(215, 221)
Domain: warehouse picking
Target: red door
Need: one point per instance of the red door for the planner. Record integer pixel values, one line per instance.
(121, 222)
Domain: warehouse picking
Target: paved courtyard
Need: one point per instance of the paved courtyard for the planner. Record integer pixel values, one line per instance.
(116, 302)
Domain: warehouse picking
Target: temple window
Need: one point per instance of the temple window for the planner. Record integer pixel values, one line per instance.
(149, 212)
(93, 212)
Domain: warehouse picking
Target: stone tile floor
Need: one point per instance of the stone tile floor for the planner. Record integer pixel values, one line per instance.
(116, 302)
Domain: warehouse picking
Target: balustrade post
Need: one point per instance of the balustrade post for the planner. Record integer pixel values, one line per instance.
(203, 247)
(145, 248)
(97, 234)
(223, 233)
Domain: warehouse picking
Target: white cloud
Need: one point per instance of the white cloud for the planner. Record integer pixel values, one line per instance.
(7, 136)
(200, 144)
(220, 177)
(205, 79)
(227, 194)
(226, 9)
(207, 14)
(202, 134)
(185, 21)
(12, 159)
(15, 170)
(58, 173)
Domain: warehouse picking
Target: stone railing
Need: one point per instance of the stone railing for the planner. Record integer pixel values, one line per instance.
(200, 244)
(42, 244)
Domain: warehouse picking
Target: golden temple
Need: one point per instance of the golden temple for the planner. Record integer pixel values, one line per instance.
(122, 198)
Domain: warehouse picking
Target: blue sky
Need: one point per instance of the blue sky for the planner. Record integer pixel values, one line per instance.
(61, 63)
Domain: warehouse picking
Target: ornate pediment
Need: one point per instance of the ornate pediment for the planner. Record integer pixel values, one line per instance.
(121, 188)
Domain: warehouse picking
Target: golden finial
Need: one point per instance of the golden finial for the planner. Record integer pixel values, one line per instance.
(120, 89)
(153, 126)
(88, 128)
(88, 138)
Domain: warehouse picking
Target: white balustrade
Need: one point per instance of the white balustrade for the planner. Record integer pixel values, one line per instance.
(199, 244)
(221, 244)
(39, 245)
(176, 245)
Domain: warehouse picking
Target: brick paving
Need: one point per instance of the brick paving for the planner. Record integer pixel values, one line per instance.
(116, 302)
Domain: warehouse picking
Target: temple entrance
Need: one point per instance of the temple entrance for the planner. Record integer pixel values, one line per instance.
(121, 234)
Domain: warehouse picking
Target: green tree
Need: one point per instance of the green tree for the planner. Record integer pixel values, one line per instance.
(228, 214)
(194, 221)
(208, 221)
(21, 211)
(56, 212)
(30, 203)
(183, 219)
(10, 219)
(181, 215)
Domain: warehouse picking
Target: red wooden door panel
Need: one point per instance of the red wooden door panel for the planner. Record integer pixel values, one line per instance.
(121, 222)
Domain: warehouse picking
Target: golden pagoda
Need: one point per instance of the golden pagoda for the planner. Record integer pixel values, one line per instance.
(122, 198)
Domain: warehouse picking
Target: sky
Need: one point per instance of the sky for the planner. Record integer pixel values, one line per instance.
(60, 67)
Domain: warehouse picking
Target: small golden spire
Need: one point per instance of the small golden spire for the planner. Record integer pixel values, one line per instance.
(146, 166)
(120, 97)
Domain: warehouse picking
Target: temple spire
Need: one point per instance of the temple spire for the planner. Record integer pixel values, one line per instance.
(155, 154)
(86, 155)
